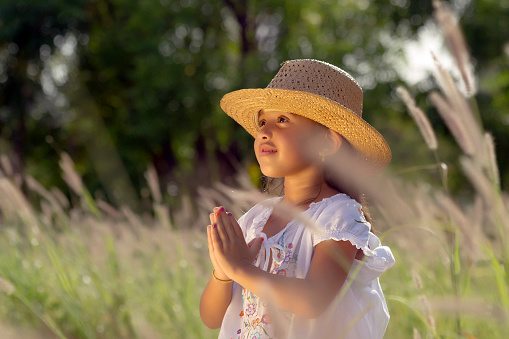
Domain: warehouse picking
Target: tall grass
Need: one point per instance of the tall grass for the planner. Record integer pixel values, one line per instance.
(458, 246)
(80, 268)
(90, 271)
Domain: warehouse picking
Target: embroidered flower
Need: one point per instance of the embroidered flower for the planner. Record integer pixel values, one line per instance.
(255, 335)
(266, 319)
(288, 257)
(290, 246)
(256, 321)
(251, 309)
(241, 313)
(238, 332)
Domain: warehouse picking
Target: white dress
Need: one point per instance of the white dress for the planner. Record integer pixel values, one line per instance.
(358, 311)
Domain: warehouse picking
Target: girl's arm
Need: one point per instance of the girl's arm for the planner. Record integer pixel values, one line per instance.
(307, 297)
(217, 294)
(214, 301)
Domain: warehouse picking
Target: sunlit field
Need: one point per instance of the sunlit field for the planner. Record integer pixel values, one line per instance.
(72, 266)
(83, 269)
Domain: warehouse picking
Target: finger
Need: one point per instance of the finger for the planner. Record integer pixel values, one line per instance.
(215, 218)
(223, 226)
(212, 216)
(216, 240)
(251, 243)
(235, 225)
(228, 226)
(209, 239)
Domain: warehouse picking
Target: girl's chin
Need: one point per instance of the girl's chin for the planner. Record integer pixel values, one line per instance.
(271, 174)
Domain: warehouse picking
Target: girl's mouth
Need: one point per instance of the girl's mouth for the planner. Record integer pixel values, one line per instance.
(265, 150)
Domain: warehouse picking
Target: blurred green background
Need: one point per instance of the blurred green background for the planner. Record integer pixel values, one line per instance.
(124, 84)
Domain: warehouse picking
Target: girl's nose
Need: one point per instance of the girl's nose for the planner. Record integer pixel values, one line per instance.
(265, 132)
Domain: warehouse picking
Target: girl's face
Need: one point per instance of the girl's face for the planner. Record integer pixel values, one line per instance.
(282, 142)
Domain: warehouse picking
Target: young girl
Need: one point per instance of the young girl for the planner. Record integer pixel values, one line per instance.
(311, 274)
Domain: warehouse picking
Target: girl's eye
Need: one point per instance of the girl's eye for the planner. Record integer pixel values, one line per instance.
(261, 123)
(282, 119)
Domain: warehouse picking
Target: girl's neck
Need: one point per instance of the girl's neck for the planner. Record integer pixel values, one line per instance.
(302, 193)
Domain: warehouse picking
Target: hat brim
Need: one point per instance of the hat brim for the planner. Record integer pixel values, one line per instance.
(243, 106)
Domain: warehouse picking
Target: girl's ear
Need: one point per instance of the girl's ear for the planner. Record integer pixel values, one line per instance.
(332, 143)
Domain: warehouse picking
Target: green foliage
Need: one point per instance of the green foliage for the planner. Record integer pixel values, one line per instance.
(154, 71)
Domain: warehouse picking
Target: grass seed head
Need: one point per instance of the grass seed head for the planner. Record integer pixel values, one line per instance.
(420, 118)
(455, 41)
(6, 286)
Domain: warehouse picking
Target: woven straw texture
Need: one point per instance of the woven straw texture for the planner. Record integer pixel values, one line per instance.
(318, 91)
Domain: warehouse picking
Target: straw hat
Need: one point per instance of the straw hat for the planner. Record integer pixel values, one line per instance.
(318, 91)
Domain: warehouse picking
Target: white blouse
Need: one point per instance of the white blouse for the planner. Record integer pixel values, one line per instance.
(358, 311)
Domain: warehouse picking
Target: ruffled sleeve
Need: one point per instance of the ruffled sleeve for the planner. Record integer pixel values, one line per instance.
(252, 221)
(343, 220)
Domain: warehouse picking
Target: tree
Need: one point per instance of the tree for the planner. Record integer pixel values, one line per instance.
(149, 75)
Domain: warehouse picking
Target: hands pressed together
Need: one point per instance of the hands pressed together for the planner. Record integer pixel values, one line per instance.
(228, 250)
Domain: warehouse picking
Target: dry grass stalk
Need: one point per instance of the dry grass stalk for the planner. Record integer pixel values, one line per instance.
(242, 199)
(14, 204)
(153, 184)
(453, 122)
(250, 197)
(489, 142)
(35, 186)
(108, 209)
(135, 223)
(427, 312)
(185, 217)
(391, 201)
(6, 286)
(62, 199)
(426, 209)
(6, 165)
(490, 196)
(476, 176)
(162, 213)
(448, 22)
(417, 279)
(470, 229)
(70, 176)
(458, 105)
(473, 307)
(420, 118)
(9, 171)
(417, 335)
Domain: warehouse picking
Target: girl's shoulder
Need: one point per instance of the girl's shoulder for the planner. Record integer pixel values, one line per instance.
(338, 204)
(341, 218)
